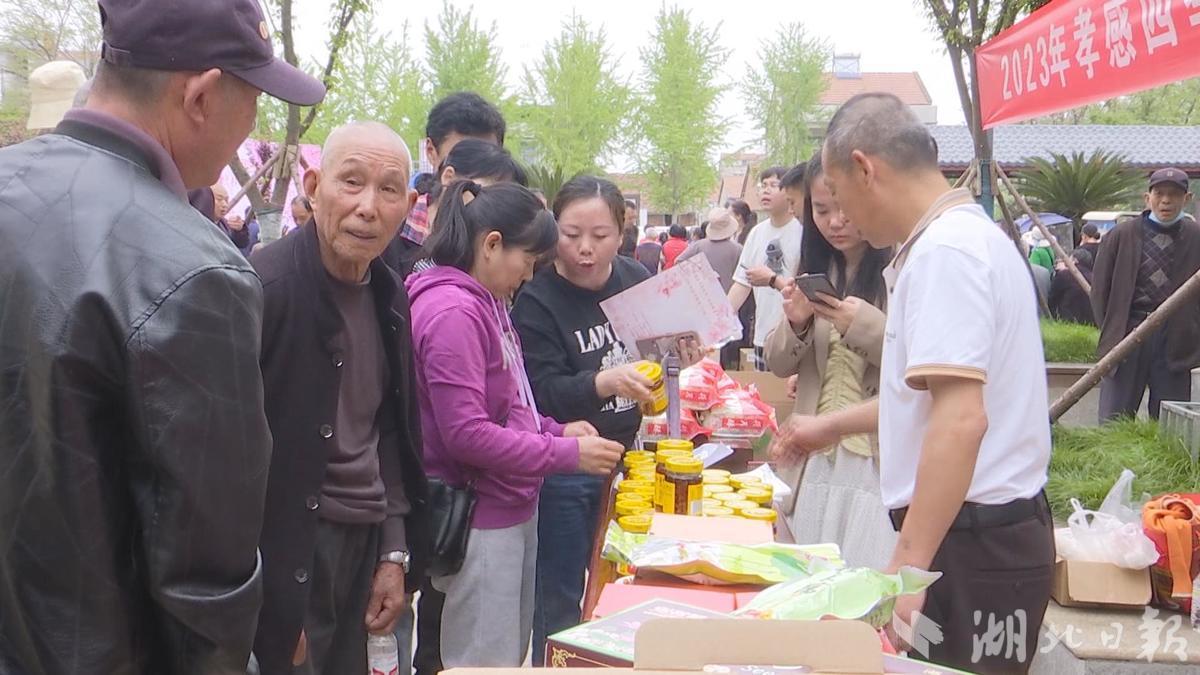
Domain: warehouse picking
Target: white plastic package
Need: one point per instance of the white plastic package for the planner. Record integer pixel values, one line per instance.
(1111, 535)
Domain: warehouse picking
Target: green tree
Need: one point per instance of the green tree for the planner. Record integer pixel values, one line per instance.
(33, 32)
(376, 79)
(964, 25)
(575, 103)
(291, 121)
(1072, 186)
(784, 89)
(460, 56)
(1175, 104)
(678, 119)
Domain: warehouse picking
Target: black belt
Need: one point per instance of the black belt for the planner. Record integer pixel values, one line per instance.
(981, 516)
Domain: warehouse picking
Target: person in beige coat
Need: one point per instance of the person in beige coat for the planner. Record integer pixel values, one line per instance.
(833, 348)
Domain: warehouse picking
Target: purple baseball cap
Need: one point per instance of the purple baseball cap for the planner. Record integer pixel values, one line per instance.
(1170, 175)
(201, 34)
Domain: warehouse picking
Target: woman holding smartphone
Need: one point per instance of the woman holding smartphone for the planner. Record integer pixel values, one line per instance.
(832, 342)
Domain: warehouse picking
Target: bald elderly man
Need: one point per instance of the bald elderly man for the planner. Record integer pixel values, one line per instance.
(345, 519)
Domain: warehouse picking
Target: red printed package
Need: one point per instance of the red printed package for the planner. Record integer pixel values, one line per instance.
(655, 428)
(698, 385)
(741, 414)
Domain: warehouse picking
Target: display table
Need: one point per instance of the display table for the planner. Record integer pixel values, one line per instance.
(600, 571)
(1102, 642)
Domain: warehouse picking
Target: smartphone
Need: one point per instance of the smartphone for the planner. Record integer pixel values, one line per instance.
(811, 284)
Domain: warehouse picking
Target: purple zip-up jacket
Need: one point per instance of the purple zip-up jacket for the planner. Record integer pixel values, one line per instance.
(473, 420)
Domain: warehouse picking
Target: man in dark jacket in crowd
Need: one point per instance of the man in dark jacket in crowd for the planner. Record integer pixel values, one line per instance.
(1068, 301)
(1140, 263)
(463, 114)
(345, 500)
(133, 443)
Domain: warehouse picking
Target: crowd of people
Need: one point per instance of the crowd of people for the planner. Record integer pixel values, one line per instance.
(225, 456)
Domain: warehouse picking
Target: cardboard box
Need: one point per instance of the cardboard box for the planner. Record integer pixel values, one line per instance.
(771, 389)
(609, 642)
(746, 358)
(748, 647)
(616, 598)
(1087, 584)
(699, 528)
(621, 595)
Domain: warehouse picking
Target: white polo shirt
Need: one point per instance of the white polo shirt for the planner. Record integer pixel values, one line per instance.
(961, 303)
(768, 302)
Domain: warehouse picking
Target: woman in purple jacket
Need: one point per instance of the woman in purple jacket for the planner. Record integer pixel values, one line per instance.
(479, 419)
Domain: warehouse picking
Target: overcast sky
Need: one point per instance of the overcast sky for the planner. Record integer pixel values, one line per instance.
(891, 36)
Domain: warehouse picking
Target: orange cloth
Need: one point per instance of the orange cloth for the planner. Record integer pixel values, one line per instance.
(1175, 520)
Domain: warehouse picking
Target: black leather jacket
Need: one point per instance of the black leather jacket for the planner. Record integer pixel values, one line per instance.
(133, 443)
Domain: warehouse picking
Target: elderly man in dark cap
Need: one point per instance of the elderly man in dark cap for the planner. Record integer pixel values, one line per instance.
(133, 442)
(1141, 262)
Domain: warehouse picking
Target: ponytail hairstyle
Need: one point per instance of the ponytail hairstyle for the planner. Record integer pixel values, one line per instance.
(469, 211)
(475, 159)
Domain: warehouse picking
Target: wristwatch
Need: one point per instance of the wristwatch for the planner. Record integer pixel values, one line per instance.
(401, 558)
(771, 283)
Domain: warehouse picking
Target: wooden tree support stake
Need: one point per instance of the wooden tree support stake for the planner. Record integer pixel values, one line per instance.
(1011, 226)
(1037, 222)
(262, 171)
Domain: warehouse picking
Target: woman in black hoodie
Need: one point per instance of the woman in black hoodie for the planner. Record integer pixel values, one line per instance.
(579, 371)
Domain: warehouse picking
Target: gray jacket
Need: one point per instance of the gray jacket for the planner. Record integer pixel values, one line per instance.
(133, 444)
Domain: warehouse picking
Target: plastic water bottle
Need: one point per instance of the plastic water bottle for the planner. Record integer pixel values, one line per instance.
(382, 658)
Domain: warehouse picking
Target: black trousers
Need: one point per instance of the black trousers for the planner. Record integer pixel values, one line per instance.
(340, 588)
(992, 596)
(1121, 391)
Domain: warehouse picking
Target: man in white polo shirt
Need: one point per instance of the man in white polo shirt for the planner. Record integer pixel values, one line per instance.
(769, 259)
(964, 431)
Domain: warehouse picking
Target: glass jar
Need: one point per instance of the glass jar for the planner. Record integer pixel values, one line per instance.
(660, 469)
(657, 404)
(739, 482)
(633, 457)
(741, 507)
(683, 486)
(726, 497)
(628, 508)
(764, 515)
(637, 524)
(757, 495)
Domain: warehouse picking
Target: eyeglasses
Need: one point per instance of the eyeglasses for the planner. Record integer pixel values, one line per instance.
(770, 184)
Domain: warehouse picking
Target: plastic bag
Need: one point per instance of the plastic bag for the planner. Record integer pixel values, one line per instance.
(1119, 500)
(656, 429)
(856, 593)
(698, 385)
(1092, 536)
(717, 563)
(741, 414)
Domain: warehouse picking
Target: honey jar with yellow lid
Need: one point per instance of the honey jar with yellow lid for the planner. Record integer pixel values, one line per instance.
(682, 487)
(756, 494)
(637, 524)
(739, 482)
(657, 404)
(628, 508)
(711, 490)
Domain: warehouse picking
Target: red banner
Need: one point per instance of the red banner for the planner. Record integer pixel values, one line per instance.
(1074, 52)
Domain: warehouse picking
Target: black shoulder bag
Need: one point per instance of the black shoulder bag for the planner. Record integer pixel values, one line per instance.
(450, 512)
